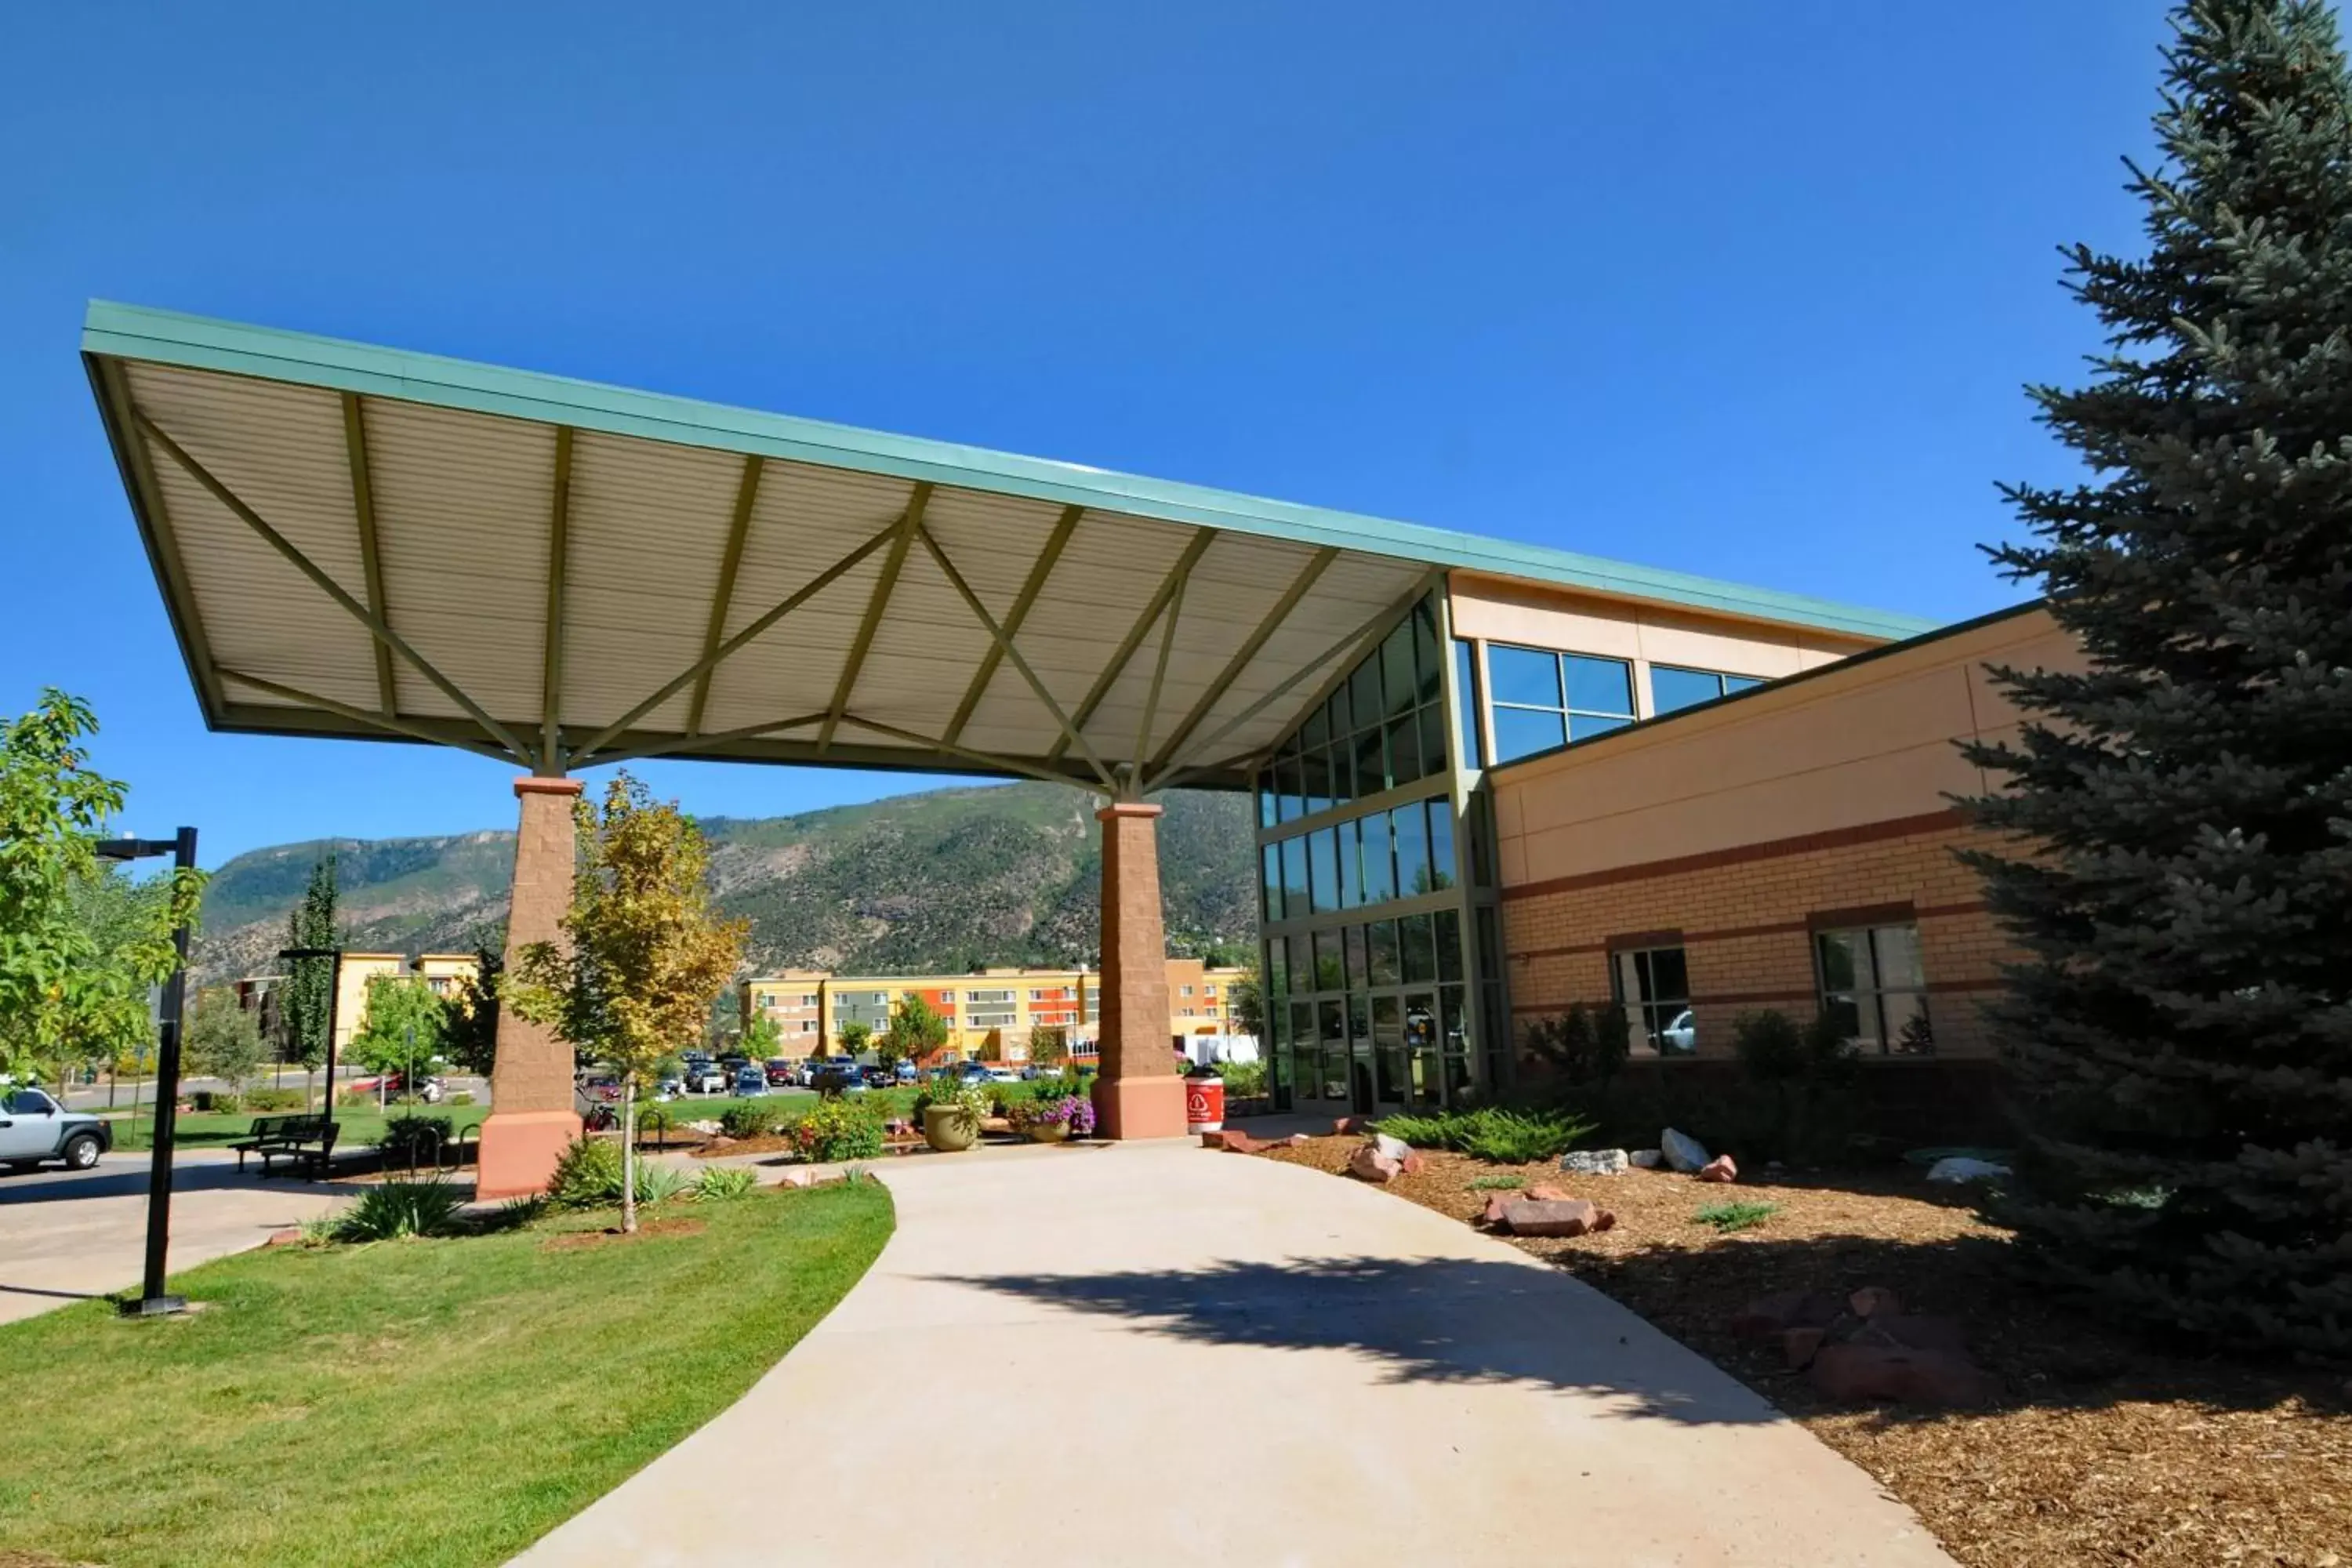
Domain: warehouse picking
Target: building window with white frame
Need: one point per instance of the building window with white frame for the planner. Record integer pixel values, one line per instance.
(1652, 984)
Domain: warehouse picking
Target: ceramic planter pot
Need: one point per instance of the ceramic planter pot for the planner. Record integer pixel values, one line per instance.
(1049, 1132)
(948, 1131)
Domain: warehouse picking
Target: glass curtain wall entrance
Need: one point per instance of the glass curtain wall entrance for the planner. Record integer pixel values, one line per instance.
(1373, 982)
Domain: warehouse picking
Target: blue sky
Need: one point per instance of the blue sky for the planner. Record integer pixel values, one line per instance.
(1751, 294)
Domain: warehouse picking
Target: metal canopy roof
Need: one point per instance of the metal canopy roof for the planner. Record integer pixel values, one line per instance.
(359, 541)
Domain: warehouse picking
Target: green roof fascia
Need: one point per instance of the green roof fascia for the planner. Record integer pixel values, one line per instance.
(164, 337)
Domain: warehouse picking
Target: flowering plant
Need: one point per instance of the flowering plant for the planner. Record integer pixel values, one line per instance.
(1073, 1111)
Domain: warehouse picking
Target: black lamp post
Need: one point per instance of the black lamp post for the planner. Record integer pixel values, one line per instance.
(152, 1302)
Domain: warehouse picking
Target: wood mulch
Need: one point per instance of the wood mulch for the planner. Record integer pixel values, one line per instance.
(2105, 1448)
(571, 1240)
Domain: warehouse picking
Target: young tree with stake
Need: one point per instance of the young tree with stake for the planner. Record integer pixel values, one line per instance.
(643, 955)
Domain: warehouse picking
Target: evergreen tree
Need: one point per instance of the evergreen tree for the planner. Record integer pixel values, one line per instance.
(2179, 812)
(307, 999)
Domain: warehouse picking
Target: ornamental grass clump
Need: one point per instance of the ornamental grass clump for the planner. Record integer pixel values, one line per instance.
(719, 1183)
(1491, 1134)
(397, 1211)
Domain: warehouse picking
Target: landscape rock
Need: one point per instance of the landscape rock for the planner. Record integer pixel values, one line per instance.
(1861, 1373)
(1569, 1217)
(1544, 1192)
(1497, 1204)
(1873, 1302)
(1766, 1317)
(1960, 1168)
(1596, 1162)
(797, 1176)
(1297, 1140)
(291, 1237)
(1919, 1332)
(701, 1124)
(1722, 1168)
(1799, 1345)
(1412, 1165)
(1682, 1151)
(1395, 1148)
(1369, 1165)
(1347, 1126)
(1236, 1142)
(1647, 1158)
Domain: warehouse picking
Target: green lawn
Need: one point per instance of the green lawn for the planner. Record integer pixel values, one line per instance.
(413, 1402)
(356, 1129)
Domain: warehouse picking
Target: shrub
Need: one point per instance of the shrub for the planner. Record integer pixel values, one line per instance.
(587, 1175)
(1802, 1106)
(838, 1129)
(1499, 1183)
(1493, 1133)
(967, 1100)
(1737, 1214)
(1244, 1080)
(393, 1211)
(747, 1121)
(463, 1097)
(269, 1099)
(1586, 1045)
(720, 1182)
(412, 1140)
(660, 1184)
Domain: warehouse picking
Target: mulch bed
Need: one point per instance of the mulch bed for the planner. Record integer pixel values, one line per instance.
(2104, 1448)
(571, 1240)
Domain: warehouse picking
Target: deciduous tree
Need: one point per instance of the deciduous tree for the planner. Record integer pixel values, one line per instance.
(643, 953)
(224, 1038)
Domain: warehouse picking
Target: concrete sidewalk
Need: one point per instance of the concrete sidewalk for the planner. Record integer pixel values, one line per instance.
(1149, 1353)
(69, 1236)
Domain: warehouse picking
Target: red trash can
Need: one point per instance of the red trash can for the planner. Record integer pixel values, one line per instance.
(1204, 1100)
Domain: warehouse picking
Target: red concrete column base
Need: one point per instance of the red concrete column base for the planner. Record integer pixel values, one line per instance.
(1139, 1107)
(520, 1148)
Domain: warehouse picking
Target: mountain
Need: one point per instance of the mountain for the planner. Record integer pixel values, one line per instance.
(939, 882)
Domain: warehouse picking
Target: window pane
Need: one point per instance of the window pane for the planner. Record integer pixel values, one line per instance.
(1338, 723)
(1312, 733)
(1302, 962)
(1271, 856)
(1449, 945)
(1396, 670)
(1522, 732)
(1669, 976)
(1739, 682)
(1896, 949)
(1599, 685)
(1294, 878)
(1482, 840)
(1441, 842)
(1524, 675)
(1490, 944)
(1907, 1030)
(1404, 750)
(1433, 739)
(1329, 975)
(1341, 759)
(1411, 824)
(1358, 962)
(1323, 870)
(1583, 726)
(1277, 967)
(1314, 781)
(1371, 772)
(1627, 976)
(1420, 942)
(1266, 817)
(1285, 775)
(1671, 689)
(1352, 870)
(1379, 867)
(1364, 692)
(1431, 674)
(1466, 692)
(1387, 964)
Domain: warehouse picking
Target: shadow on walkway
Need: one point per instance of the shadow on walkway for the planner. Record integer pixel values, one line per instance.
(1425, 1321)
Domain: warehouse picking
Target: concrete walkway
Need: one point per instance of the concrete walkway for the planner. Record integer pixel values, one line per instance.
(69, 1236)
(1150, 1354)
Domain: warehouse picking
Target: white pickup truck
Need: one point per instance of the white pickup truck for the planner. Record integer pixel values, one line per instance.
(34, 1129)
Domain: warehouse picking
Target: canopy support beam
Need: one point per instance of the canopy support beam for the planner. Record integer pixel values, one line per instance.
(1366, 636)
(738, 529)
(1117, 665)
(792, 601)
(1315, 566)
(333, 589)
(987, 759)
(677, 744)
(1151, 698)
(1003, 644)
(874, 607)
(1062, 528)
(371, 555)
(390, 723)
(551, 686)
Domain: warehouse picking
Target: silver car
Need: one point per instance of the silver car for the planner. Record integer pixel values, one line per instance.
(35, 1129)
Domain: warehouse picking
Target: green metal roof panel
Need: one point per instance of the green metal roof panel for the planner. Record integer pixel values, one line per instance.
(164, 337)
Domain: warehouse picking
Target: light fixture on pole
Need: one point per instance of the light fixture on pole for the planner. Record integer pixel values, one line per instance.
(152, 1302)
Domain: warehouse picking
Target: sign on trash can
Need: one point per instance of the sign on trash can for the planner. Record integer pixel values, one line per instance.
(1204, 1100)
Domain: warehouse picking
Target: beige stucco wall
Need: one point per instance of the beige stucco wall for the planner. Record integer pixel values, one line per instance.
(1496, 609)
(1865, 742)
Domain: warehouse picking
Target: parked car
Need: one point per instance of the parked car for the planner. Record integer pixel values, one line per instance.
(972, 1072)
(780, 1073)
(705, 1077)
(905, 1072)
(669, 1088)
(34, 1129)
(810, 1071)
(750, 1082)
(839, 1078)
(1682, 1035)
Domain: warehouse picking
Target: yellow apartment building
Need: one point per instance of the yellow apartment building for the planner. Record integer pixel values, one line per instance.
(445, 972)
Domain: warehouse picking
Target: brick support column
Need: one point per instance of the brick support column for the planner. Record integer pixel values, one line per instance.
(1138, 1094)
(531, 1116)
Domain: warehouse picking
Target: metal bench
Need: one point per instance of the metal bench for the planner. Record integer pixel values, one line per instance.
(308, 1141)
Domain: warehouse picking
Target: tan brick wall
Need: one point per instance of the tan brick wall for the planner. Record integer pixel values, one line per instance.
(1743, 915)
